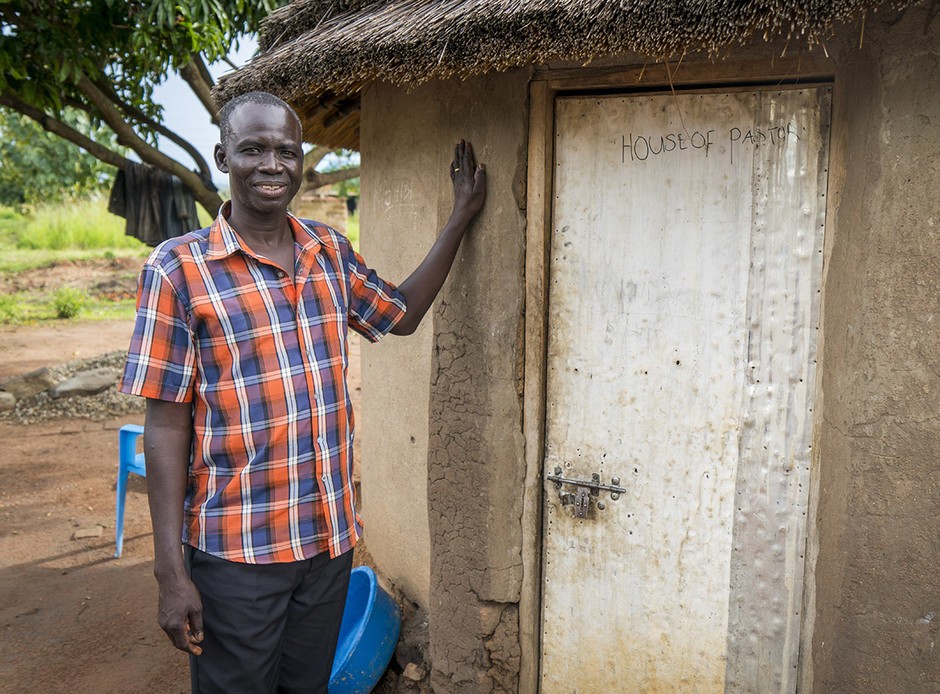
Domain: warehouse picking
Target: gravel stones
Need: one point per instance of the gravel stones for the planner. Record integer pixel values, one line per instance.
(107, 403)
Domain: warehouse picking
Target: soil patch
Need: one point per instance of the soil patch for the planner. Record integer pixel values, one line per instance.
(111, 278)
(27, 347)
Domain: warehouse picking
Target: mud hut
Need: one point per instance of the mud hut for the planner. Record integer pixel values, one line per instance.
(673, 425)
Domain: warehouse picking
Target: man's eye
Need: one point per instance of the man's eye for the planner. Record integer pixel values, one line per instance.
(289, 153)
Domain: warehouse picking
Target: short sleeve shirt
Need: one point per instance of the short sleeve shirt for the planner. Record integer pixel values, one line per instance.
(262, 357)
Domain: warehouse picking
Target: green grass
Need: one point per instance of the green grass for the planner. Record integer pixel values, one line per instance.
(65, 231)
(54, 233)
(27, 307)
(82, 225)
(352, 230)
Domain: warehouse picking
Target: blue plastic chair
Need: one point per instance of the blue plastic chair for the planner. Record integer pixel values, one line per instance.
(129, 460)
(368, 635)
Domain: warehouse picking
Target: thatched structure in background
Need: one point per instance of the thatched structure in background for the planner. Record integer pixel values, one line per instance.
(317, 54)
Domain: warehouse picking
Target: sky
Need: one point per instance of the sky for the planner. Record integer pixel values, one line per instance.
(185, 115)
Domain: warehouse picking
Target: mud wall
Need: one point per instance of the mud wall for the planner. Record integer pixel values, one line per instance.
(878, 546)
(397, 225)
(452, 392)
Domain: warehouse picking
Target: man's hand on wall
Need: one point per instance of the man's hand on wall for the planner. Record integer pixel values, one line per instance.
(469, 182)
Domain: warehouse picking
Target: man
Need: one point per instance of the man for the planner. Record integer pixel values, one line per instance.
(240, 350)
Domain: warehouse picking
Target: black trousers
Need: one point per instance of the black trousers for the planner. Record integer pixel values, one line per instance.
(268, 627)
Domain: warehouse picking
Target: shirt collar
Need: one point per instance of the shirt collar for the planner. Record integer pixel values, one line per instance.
(224, 241)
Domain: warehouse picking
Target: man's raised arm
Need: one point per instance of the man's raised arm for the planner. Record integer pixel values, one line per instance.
(426, 281)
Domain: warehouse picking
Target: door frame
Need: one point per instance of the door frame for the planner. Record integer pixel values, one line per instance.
(629, 77)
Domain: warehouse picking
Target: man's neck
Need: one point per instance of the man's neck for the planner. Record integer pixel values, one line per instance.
(261, 231)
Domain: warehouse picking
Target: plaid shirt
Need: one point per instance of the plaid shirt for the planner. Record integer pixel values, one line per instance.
(262, 357)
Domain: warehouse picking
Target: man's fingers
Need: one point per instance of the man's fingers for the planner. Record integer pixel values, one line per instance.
(195, 624)
(194, 645)
(479, 178)
(468, 160)
(178, 635)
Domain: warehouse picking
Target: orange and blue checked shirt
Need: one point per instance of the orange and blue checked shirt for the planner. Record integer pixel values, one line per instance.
(262, 356)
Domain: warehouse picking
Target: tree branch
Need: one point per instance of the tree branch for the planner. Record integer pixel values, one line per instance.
(57, 127)
(208, 198)
(143, 118)
(329, 177)
(197, 76)
(314, 157)
(315, 179)
(202, 68)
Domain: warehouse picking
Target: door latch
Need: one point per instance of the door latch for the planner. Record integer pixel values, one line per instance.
(585, 490)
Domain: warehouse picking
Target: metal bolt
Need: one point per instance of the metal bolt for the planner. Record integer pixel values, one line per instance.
(601, 505)
(557, 470)
(615, 481)
(614, 496)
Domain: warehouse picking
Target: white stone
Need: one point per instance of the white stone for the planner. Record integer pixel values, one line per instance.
(86, 383)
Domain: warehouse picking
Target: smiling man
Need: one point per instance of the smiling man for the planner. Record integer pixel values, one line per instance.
(240, 349)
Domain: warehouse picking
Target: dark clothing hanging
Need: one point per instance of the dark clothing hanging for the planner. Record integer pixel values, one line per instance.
(156, 204)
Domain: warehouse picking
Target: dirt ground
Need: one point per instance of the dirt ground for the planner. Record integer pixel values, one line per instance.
(72, 617)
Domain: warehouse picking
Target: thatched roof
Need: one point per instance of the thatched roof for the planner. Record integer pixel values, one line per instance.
(318, 54)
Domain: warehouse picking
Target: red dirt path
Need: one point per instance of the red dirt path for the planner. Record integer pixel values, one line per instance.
(72, 618)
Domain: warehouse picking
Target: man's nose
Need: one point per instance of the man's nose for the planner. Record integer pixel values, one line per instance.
(270, 162)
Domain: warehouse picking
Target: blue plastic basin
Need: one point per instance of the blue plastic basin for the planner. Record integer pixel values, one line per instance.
(367, 637)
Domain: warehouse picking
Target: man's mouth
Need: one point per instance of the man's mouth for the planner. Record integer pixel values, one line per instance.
(271, 188)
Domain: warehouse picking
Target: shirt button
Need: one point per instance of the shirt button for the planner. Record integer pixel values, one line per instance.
(281, 274)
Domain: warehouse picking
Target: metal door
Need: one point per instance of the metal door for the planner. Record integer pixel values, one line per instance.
(686, 263)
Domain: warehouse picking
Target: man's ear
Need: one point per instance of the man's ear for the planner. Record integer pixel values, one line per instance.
(219, 156)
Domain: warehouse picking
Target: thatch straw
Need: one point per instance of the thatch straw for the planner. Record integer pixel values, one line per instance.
(312, 46)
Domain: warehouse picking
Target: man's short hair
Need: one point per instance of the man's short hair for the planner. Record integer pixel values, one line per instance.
(265, 98)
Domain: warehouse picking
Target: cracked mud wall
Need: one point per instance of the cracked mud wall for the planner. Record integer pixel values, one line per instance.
(475, 449)
(443, 458)
(877, 623)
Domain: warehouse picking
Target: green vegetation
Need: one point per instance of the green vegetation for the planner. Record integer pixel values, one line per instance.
(86, 71)
(84, 224)
(104, 58)
(68, 302)
(27, 307)
(352, 229)
(62, 233)
(40, 167)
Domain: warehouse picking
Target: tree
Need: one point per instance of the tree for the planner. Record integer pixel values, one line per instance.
(104, 57)
(314, 179)
(38, 165)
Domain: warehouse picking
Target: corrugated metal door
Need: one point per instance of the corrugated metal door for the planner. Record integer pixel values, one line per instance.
(686, 262)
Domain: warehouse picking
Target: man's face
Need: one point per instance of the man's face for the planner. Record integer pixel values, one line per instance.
(263, 158)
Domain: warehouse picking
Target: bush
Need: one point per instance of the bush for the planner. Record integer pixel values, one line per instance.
(68, 302)
(9, 309)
